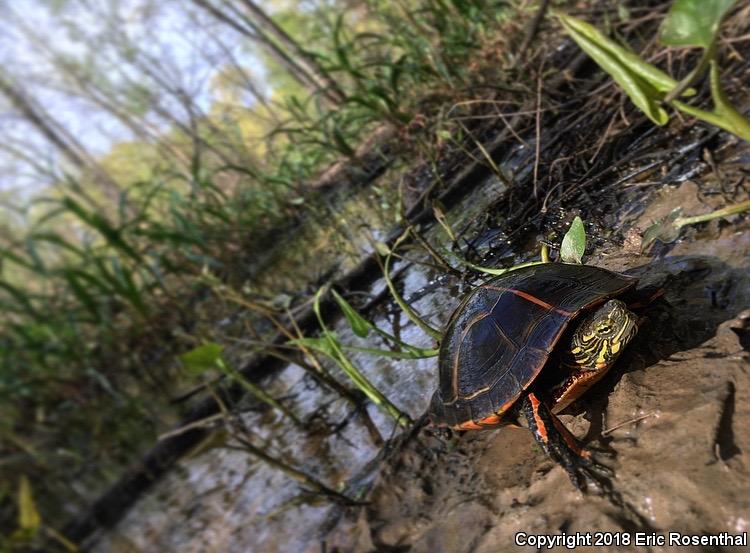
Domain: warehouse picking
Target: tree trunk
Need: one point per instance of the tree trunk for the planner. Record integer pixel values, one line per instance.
(331, 88)
(304, 76)
(67, 145)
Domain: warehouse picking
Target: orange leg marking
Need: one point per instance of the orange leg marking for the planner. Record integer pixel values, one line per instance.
(469, 425)
(570, 439)
(541, 429)
(492, 420)
(576, 385)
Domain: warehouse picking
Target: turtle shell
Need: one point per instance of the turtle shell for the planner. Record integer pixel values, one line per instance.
(501, 335)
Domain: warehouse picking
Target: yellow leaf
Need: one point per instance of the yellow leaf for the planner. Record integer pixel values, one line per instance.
(28, 516)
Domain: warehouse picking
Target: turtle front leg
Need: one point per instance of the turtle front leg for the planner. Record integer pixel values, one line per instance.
(563, 447)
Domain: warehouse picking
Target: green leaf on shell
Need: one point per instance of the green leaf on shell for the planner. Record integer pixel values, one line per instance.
(574, 242)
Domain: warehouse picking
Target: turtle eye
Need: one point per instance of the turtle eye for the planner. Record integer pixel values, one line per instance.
(604, 328)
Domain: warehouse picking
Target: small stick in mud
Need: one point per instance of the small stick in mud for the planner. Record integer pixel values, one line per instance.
(630, 421)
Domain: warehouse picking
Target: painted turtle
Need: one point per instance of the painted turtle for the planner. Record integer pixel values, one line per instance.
(558, 317)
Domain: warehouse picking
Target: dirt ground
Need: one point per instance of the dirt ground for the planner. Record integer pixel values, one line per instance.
(675, 410)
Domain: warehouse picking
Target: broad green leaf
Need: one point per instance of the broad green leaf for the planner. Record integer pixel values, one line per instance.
(574, 242)
(654, 76)
(693, 22)
(360, 326)
(29, 519)
(202, 358)
(640, 92)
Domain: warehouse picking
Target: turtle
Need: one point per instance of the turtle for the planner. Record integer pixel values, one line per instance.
(527, 344)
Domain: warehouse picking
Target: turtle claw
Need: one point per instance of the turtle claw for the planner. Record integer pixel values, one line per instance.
(585, 466)
(600, 454)
(587, 471)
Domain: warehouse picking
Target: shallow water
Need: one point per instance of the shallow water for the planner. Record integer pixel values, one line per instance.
(225, 500)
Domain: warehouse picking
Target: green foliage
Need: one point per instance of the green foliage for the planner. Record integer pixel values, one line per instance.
(29, 520)
(209, 356)
(724, 114)
(330, 345)
(689, 23)
(362, 327)
(407, 309)
(693, 22)
(202, 359)
(613, 57)
(644, 84)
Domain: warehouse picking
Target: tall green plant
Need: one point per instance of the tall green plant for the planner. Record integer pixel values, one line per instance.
(692, 23)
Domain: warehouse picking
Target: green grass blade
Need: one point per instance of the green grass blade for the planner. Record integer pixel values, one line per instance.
(354, 373)
(410, 313)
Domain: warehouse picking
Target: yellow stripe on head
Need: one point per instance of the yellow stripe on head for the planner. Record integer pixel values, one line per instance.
(601, 359)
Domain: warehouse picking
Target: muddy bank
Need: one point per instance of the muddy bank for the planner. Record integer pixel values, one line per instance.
(674, 410)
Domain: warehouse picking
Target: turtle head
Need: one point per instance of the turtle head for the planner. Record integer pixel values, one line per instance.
(602, 335)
